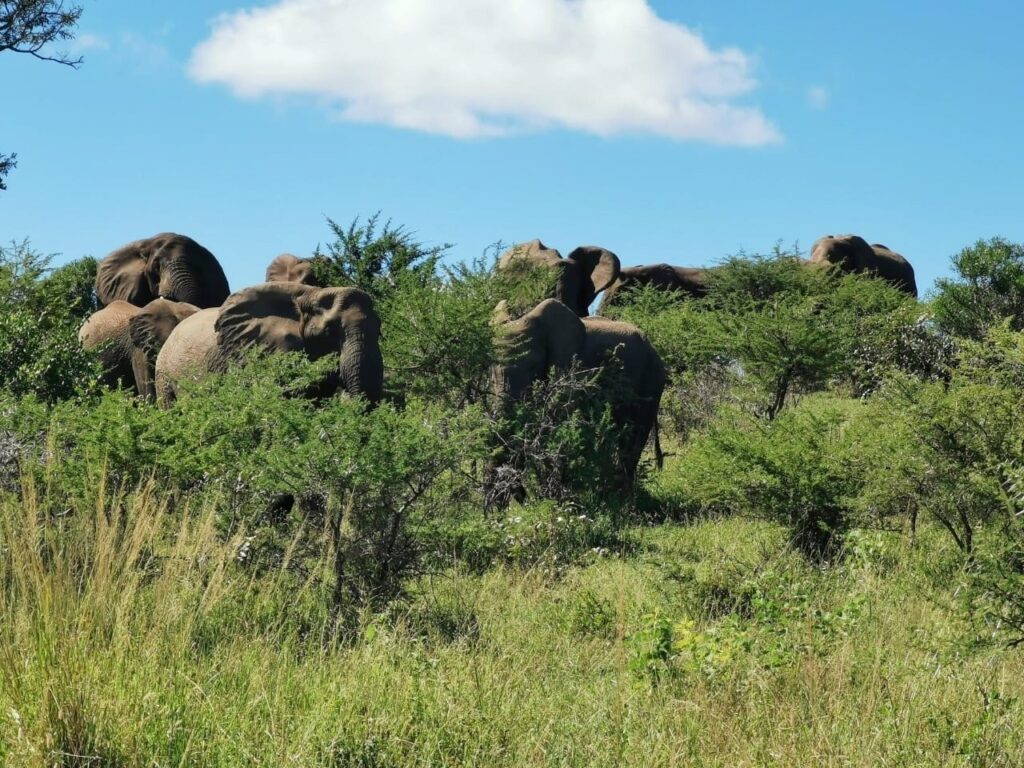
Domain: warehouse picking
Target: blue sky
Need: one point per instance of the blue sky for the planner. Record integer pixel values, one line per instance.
(665, 131)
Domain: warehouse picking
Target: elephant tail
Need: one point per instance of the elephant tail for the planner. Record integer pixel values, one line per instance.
(659, 455)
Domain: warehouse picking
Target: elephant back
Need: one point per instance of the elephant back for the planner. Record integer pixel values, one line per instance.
(851, 252)
(607, 338)
(288, 268)
(895, 268)
(265, 315)
(107, 323)
(189, 351)
(533, 253)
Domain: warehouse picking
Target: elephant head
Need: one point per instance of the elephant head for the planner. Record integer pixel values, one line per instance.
(148, 330)
(168, 266)
(287, 268)
(852, 253)
(548, 336)
(290, 317)
(586, 272)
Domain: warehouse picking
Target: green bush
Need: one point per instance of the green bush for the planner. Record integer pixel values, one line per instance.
(987, 289)
(375, 258)
(43, 309)
(366, 481)
(961, 436)
(779, 329)
(809, 469)
(438, 341)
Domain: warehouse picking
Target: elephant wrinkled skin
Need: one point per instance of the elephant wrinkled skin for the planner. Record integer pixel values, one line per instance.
(582, 275)
(552, 336)
(168, 266)
(281, 317)
(852, 253)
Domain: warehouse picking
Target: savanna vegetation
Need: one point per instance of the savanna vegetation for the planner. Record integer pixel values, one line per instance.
(828, 570)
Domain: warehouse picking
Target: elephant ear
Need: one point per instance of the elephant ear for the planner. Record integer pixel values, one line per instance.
(600, 269)
(288, 268)
(264, 315)
(144, 334)
(150, 328)
(124, 275)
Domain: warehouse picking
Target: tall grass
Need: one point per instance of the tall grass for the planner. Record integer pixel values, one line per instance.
(134, 637)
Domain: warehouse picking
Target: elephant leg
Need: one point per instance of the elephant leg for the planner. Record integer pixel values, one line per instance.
(142, 369)
(636, 421)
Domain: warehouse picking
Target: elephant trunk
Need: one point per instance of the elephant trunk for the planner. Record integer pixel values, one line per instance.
(362, 367)
(178, 283)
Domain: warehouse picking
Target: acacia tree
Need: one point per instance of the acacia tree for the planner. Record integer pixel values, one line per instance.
(30, 26)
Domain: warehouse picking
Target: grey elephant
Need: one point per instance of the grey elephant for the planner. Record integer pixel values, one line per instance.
(288, 268)
(691, 282)
(129, 339)
(852, 253)
(168, 266)
(582, 275)
(552, 336)
(282, 317)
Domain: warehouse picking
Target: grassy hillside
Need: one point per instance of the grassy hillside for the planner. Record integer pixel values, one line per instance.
(828, 570)
(710, 643)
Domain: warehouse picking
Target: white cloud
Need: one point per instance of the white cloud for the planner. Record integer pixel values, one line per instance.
(817, 97)
(89, 42)
(471, 68)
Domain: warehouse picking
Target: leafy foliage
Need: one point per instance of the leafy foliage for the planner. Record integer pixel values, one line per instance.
(782, 330)
(439, 341)
(988, 288)
(375, 258)
(7, 164)
(43, 309)
(558, 442)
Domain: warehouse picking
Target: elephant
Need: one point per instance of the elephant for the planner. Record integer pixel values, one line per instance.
(106, 330)
(852, 253)
(288, 268)
(131, 337)
(689, 281)
(586, 272)
(167, 266)
(283, 317)
(551, 335)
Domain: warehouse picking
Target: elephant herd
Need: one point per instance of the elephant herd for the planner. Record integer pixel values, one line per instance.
(169, 315)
